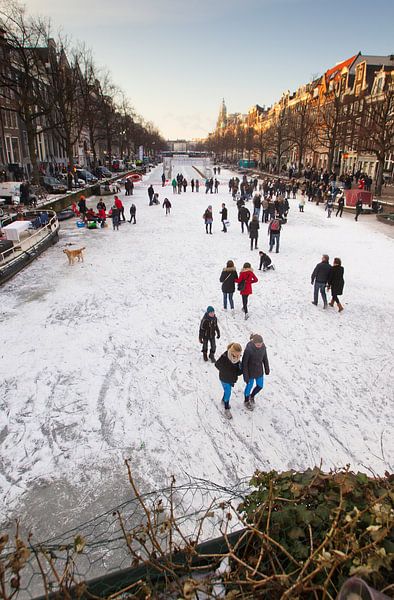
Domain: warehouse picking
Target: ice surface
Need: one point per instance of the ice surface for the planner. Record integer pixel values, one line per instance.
(101, 361)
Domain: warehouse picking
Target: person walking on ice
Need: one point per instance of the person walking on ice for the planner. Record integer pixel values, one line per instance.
(224, 213)
(336, 283)
(227, 279)
(274, 232)
(254, 364)
(167, 205)
(245, 280)
(319, 280)
(208, 219)
(208, 331)
(229, 367)
(133, 210)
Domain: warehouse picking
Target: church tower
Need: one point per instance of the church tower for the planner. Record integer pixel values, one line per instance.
(222, 119)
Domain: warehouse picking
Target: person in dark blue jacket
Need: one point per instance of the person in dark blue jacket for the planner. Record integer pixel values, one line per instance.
(229, 366)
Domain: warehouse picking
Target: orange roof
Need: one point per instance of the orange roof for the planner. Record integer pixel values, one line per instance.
(340, 66)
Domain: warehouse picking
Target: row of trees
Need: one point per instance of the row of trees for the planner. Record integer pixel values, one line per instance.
(57, 87)
(330, 128)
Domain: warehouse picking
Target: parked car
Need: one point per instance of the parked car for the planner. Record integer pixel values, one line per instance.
(10, 192)
(53, 185)
(87, 177)
(103, 172)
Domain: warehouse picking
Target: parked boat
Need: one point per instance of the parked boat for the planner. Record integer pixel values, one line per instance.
(67, 213)
(24, 237)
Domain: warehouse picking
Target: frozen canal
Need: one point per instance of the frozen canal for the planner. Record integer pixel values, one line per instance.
(101, 361)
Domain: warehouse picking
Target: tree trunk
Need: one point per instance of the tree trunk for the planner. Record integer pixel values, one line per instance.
(31, 139)
(379, 178)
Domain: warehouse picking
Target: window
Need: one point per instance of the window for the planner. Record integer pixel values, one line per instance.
(15, 149)
(10, 120)
(8, 149)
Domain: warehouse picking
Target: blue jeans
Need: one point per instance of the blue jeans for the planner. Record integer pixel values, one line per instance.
(230, 299)
(227, 393)
(322, 288)
(274, 238)
(259, 383)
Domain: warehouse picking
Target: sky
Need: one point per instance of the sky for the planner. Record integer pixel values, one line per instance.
(177, 59)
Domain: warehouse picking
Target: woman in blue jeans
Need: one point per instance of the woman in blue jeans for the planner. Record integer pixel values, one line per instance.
(227, 279)
(229, 366)
(254, 364)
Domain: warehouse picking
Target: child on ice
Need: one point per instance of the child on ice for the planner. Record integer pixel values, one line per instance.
(229, 366)
(208, 331)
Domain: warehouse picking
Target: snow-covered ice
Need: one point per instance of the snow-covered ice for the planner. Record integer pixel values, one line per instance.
(101, 361)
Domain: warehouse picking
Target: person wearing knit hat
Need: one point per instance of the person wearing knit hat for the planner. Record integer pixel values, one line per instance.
(208, 331)
(229, 367)
(254, 364)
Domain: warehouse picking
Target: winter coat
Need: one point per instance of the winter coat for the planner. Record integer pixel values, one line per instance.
(253, 361)
(335, 280)
(133, 209)
(223, 212)
(208, 216)
(254, 229)
(243, 214)
(321, 272)
(249, 277)
(208, 328)
(265, 261)
(228, 371)
(227, 279)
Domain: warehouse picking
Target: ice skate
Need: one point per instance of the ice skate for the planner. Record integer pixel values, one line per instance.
(246, 316)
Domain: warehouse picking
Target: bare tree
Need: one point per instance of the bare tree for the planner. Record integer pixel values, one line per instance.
(69, 71)
(21, 75)
(278, 135)
(376, 131)
(330, 126)
(301, 125)
(261, 143)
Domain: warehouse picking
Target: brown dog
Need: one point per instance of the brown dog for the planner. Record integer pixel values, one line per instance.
(73, 255)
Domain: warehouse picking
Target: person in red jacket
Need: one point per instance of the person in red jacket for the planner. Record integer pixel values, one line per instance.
(119, 204)
(245, 280)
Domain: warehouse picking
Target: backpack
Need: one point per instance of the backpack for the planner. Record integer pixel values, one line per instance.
(275, 225)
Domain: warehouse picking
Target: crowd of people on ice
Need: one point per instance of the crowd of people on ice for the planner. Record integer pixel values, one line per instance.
(269, 205)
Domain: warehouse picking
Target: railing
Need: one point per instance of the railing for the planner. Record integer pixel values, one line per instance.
(15, 251)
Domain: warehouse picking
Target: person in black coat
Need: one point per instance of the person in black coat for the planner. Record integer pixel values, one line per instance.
(223, 212)
(133, 210)
(207, 332)
(336, 283)
(227, 279)
(254, 231)
(243, 217)
(319, 279)
(341, 203)
(265, 262)
(229, 366)
(359, 208)
(254, 363)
